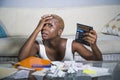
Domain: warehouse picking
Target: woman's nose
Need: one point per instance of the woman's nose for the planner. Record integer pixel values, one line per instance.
(45, 27)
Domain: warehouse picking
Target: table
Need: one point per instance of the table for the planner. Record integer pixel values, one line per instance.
(113, 66)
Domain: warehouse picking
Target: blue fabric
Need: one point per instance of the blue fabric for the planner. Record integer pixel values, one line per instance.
(2, 32)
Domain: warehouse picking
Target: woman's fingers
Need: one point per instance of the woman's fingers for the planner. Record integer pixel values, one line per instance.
(91, 37)
(47, 16)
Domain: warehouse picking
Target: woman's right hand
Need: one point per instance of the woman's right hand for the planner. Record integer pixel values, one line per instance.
(43, 21)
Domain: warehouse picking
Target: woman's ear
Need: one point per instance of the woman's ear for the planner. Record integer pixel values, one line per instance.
(60, 32)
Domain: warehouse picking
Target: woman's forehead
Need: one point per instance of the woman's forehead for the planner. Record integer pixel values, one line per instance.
(52, 21)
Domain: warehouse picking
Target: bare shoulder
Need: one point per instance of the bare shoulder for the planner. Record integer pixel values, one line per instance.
(36, 45)
(76, 45)
(63, 42)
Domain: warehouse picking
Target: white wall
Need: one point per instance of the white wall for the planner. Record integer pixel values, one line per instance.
(22, 21)
(56, 3)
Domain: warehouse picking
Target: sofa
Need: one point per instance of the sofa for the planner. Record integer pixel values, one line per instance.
(108, 44)
(13, 36)
(9, 47)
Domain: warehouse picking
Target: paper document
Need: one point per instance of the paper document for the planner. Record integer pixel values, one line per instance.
(59, 69)
(96, 71)
(41, 72)
(21, 74)
(5, 72)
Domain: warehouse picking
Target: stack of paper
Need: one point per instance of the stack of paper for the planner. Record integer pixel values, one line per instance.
(59, 69)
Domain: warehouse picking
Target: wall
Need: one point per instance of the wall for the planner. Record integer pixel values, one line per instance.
(55, 3)
(22, 21)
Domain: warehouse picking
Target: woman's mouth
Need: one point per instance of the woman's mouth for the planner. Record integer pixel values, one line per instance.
(44, 34)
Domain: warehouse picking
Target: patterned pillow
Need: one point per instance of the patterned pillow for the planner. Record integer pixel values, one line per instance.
(113, 26)
(2, 32)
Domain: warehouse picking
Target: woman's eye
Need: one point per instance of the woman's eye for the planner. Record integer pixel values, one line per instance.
(44, 25)
(50, 25)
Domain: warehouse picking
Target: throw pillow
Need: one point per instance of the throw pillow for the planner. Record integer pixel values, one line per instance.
(113, 26)
(2, 32)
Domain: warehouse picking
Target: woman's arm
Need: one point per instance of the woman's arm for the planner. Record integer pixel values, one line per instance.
(95, 54)
(91, 37)
(31, 47)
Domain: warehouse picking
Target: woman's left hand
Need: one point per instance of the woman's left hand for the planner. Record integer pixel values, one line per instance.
(91, 37)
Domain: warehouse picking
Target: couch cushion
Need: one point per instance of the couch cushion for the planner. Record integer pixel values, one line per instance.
(10, 46)
(108, 43)
(2, 32)
(113, 26)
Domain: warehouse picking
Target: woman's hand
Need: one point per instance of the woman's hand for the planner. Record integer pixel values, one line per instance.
(91, 37)
(43, 21)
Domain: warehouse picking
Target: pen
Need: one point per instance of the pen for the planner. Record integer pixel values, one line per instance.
(40, 66)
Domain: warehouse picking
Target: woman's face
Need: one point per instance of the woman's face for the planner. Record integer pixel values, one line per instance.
(50, 29)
